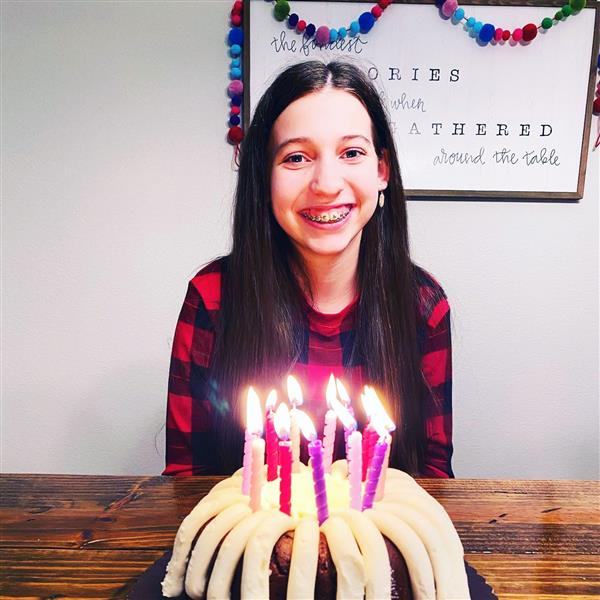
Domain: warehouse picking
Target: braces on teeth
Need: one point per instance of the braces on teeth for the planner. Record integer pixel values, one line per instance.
(334, 218)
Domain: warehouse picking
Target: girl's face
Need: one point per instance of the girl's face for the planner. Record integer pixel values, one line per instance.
(325, 176)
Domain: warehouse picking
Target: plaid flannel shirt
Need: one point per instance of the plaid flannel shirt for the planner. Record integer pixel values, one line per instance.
(328, 340)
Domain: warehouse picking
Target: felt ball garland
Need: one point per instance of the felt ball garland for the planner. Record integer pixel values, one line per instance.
(485, 33)
(322, 34)
(235, 41)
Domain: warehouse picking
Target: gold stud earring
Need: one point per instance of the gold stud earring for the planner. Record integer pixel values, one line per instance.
(381, 199)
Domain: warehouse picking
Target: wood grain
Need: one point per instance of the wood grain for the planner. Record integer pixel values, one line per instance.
(80, 536)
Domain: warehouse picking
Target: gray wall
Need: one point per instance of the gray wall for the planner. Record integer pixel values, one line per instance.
(117, 186)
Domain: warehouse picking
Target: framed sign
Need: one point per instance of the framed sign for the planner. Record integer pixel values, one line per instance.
(503, 120)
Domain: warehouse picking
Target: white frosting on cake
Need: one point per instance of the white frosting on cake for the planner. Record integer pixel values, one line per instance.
(412, 519)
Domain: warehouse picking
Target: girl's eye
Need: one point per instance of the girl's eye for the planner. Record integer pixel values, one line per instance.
(294, 158)
(353, 153)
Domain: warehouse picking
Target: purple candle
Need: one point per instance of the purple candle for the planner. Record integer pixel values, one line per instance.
(315, 451)
(374, 473)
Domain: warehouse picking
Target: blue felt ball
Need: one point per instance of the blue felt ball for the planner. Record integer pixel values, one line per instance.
(236, 50)
(236, 101)
(487, 33)
(477, 27)
(234, 120)
(293, 20)
(471, 22)
(354, 28)
(333, 35)
(459, 14)
(310, 30)
(343, 32)
(366, 22)
(236, 36)
(235, 62)
(235, 73)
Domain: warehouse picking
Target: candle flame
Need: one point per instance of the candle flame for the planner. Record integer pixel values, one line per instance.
(254, 422)
(344, 415)
(281, 421)
(377, 409)
(367, 402)
(294, 391)
(271, 400)
(330, 394)
(342, 393)
(378, 423)
(306, 425)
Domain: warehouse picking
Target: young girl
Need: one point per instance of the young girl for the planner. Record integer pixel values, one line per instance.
(319, 281)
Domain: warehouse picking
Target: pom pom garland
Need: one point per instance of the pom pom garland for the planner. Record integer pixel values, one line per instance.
(486, 33)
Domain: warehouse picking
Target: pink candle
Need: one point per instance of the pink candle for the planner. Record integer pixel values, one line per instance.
(285, 474)
(315, 451)
(281, 423)
(355, 469)
(272, 440)
(296, 399)
(345, 399)
(258, 461)
(368, 445)
(253, 431)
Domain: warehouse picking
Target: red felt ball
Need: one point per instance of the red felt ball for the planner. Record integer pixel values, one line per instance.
(377, 11)
(506, 35)
(529, 32)
(301, 26)
(237, 7)
(235, 110)
(235, 135)
(597, 105)
(384, 3)
(236, 20)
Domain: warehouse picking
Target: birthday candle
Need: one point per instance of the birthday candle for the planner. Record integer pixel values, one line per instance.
(345, 399)
(374, 473)
(353, 452)
(281, 423)
(272, 440)
(253, 431)
(258, 461)
(315, 451)
(329, 429)
(382, 478)
(355, 469)
(295, 398)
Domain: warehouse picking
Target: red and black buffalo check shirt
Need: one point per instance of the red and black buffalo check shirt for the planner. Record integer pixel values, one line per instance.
(328, 342)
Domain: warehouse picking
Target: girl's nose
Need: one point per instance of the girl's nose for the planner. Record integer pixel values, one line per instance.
(327, 178)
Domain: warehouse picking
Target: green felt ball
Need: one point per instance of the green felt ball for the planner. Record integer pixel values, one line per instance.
(559, 16)
(577, 5)
(547, 23)
(566, 10)
(281, 10)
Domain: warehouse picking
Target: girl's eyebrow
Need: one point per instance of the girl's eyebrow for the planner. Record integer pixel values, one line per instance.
(304, 140)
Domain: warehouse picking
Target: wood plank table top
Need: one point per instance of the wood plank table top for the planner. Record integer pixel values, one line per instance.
(89, 536)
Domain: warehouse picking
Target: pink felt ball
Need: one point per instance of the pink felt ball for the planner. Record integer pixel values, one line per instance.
(449, 7)
(236, 87)
(498, 34)
(236, 20)
(377, 11)
(235, 110)
(322, 35)
(517, 34)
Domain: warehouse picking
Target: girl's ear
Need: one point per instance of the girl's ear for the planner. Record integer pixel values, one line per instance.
(383, 169)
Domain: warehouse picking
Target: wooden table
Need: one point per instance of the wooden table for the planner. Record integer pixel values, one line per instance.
(91, 536)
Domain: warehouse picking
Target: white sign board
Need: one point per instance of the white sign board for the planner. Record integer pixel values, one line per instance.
(501, 120)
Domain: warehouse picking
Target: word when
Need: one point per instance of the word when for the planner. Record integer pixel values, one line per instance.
(306, 46)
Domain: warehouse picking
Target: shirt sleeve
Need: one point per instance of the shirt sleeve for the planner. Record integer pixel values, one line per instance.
(190, 437)
(437, 371)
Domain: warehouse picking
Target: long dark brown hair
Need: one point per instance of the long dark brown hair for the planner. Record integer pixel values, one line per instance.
(259, 334)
